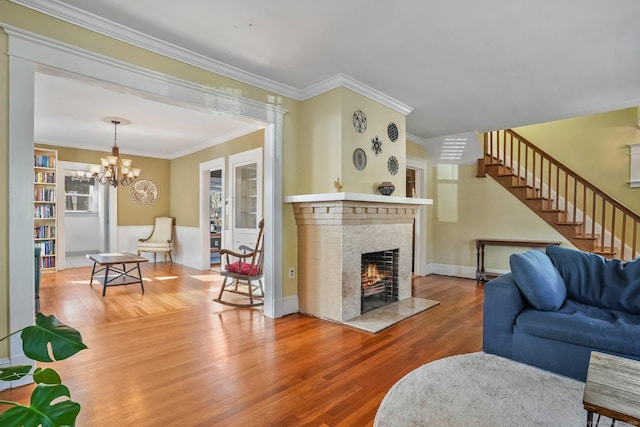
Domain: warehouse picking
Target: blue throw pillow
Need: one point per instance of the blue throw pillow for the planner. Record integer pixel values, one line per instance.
(538, 280)
(595, 280)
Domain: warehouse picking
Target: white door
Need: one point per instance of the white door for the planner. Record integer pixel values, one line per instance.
(246, 197)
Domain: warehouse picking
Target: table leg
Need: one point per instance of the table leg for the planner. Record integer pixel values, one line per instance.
(106, 277)
(483, 275)
(477, 263)
(140, 276)
(93, 271)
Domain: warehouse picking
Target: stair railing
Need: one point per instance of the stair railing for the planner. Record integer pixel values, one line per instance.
(564, 191)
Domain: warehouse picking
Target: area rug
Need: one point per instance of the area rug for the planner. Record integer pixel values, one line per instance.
(480, 389)
(381, 318)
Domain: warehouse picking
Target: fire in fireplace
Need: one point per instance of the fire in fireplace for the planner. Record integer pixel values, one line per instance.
(379, 279)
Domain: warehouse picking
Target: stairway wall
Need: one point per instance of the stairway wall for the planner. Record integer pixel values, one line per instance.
(484, 210)
(596, 147)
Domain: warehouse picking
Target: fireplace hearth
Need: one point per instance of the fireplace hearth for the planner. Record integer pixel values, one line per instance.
(379, 279)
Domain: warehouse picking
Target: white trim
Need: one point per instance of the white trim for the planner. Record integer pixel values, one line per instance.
(420, 255)
(204, 261)
(100, 25)
(634, 165)
(290, 305)
(356, 86)
(28, 54)
(459, 271)
(415, 139)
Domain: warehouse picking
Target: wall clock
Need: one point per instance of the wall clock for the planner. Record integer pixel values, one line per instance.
(144, 191)
(359, 121)
(392, 132)
(392, 165)
(359, 159)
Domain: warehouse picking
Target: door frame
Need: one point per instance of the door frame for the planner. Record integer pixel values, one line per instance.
(205, 179)
(30, 53)
(420, 248)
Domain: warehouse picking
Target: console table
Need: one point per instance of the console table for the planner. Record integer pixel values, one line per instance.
(481, 275)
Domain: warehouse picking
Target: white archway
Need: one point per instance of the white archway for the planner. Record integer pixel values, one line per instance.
(29, 53)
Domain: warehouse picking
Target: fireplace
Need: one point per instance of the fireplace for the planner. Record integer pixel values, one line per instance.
(379, 279)
(334, 230)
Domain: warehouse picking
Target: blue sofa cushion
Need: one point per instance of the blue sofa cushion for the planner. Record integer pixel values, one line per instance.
(595, 280)
(584, 325)
(538, 280)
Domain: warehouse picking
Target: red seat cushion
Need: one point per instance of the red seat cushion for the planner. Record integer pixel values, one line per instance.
(243, 268)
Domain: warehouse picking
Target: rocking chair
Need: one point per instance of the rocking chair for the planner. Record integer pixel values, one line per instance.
(241, 272)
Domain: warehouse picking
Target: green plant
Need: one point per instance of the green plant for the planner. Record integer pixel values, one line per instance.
(46, 341)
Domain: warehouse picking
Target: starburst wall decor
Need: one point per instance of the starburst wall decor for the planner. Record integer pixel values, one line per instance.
(376, 145)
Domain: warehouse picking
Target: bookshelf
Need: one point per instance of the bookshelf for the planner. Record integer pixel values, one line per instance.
(45, 224)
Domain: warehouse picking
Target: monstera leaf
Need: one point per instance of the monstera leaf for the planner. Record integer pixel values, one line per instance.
(42, 412)
(14, 373)
(64, 340)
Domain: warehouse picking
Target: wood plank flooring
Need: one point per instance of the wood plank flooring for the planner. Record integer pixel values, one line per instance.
(173, 357)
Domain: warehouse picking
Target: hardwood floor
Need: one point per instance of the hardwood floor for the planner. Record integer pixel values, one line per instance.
(173, 357)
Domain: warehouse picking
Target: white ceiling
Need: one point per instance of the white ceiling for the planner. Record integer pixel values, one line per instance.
(461, 65)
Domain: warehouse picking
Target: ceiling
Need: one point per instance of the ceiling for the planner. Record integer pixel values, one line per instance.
(461, 65)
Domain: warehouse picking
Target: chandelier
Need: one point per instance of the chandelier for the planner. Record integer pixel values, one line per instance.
(115, 170)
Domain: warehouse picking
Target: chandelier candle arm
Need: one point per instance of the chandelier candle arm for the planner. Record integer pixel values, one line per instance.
(114, 170)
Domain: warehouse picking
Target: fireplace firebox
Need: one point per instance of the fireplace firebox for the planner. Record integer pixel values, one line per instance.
(378, 279)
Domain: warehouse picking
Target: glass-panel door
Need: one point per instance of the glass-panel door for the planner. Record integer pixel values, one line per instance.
(246, 196)
(246, 204)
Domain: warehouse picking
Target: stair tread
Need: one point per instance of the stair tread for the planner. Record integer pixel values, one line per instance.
(586, 236)
(568, 223)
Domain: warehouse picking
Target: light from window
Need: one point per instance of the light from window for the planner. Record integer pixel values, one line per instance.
(79, 193)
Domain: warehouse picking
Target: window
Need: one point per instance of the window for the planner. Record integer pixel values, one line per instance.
(80, 192)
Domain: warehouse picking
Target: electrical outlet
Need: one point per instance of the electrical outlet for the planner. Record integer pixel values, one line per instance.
(292, 273)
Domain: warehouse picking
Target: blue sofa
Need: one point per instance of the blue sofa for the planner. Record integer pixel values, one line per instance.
(554, 308)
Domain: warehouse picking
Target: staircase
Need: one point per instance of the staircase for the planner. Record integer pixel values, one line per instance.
(585, 215)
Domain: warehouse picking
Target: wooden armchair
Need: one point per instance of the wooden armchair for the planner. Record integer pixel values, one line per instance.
(241, 271)
(160, 240)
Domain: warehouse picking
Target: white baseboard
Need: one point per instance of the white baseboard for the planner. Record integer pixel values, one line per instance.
(290, 305)
(458, 270)
(18, 360)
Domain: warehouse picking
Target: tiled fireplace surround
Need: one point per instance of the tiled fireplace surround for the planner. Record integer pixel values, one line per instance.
(334, 230)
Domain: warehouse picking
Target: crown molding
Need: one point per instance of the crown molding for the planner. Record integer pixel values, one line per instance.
(343, 80)
(91, 22)
(103, 26)
(415, 139)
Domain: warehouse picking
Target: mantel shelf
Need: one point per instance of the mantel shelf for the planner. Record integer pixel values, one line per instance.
(356, 197)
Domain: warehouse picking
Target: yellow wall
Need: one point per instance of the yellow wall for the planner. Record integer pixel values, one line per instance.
(129, 213)
(484, 210)
(415, 150)
(185, 171)
(328, 140)
(378, 117)
(320, 143)
(596, 147)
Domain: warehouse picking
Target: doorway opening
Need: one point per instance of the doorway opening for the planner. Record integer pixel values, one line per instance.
(215, 216)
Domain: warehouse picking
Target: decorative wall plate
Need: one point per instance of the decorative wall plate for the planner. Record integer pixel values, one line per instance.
(144, 191)
(359, 159)
(392, 132)
(376, 145)
(359, 121)
(392, 165)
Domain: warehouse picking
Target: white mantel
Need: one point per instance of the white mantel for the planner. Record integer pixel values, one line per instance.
(356, 197)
